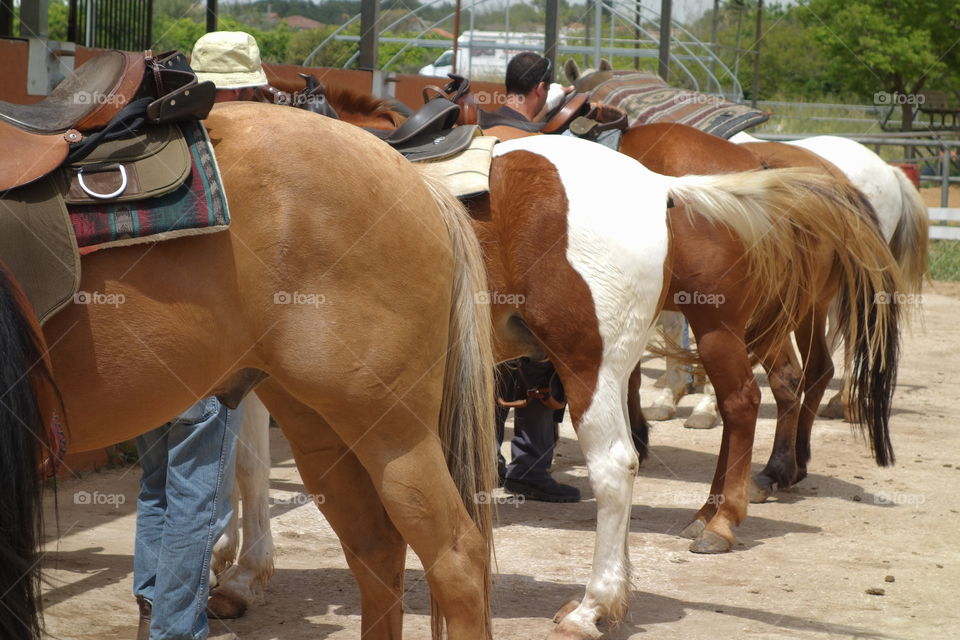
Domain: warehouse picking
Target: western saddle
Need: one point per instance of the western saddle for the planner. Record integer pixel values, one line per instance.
(107, 97)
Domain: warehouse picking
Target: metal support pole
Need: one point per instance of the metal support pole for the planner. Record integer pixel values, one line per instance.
(369, 35)
(598, 29)
(550, 32)
(6, 18)
(755, 91)
(33, 19)
(637, 15)
(456, 37)
(212, 13)
(666, 8)
(945, 177)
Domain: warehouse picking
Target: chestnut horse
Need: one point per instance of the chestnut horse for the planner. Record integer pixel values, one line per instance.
(679, 150)
(378, 365)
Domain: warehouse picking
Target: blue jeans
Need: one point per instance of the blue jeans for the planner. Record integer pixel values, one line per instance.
(183, 507)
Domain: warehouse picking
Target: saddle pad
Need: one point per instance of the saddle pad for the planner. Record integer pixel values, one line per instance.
(467, 174)
(37, 245)
(197, 206)
(647, 99)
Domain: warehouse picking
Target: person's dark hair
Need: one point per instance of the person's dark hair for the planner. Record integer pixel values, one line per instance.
(525, 71)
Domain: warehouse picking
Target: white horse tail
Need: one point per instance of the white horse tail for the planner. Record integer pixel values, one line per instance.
(910, 240)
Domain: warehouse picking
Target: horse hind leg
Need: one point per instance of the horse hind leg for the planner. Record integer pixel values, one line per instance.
(673, 382)
(725, 359)
(605, 439)
(242, 584)
(785, 379)
(343, 491)
(818, 372)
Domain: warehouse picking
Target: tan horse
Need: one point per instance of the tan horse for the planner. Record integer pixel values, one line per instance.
(348, 282)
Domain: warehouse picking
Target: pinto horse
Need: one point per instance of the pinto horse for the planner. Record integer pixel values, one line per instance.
(383, 386)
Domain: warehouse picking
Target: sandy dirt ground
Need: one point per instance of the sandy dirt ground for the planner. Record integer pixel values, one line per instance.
(805, 563)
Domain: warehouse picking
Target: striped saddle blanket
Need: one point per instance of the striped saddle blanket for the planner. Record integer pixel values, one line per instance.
(646, 99)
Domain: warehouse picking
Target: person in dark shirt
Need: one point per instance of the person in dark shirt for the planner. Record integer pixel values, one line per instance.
(530, 94)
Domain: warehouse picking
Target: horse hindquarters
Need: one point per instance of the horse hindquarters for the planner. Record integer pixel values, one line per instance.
(590, 298)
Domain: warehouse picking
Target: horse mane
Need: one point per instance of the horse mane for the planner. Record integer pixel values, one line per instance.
(359, 104)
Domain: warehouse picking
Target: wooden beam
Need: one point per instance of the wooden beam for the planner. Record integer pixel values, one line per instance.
(369, 34)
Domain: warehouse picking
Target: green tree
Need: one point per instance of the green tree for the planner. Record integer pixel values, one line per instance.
(881, 48)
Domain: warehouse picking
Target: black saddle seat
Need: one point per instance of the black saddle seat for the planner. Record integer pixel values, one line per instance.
(108, 80)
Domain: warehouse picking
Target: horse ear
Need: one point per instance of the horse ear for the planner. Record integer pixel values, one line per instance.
(605, 65)
(571, 69)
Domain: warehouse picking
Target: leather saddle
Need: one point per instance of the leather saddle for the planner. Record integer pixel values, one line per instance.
(106, 98)
(312, 97)
(430, 133)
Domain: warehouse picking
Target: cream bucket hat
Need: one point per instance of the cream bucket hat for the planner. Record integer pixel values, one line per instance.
(229, 59)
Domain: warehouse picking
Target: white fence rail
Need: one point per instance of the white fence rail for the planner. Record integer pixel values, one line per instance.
(943, 215)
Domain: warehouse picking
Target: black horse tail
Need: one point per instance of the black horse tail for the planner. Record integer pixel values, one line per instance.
(23, 368)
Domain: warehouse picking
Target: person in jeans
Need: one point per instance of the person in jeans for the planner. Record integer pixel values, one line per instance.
(183, 507)
(188, 464)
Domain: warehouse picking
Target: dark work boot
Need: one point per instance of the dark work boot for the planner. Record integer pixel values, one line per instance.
(146, 612)
(544, 489)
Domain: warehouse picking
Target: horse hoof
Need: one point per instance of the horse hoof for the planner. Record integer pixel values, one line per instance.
(701, 421)
(567, 631)
(833, 409)
(760, 491)
(565, 610)
(694, 529)
(224, 608)
(710, 542)
(659, 413)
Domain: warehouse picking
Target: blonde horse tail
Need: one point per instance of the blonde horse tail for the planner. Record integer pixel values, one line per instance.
(784, 217)
(910, 240)
(467, 413)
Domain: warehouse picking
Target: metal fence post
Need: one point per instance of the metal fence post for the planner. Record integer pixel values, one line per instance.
(945, 177)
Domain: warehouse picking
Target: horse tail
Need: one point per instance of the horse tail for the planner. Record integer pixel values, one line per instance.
(910, 240)
(784, 217)
(22, 369)
(467, 413)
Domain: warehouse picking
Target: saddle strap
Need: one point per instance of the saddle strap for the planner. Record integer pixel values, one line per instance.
(127, 121)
